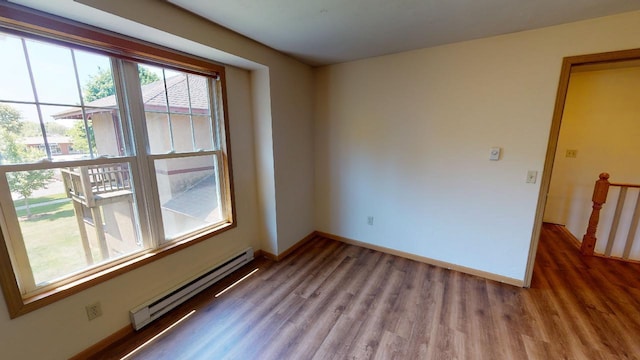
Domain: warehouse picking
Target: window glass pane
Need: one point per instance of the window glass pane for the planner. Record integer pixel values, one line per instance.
(106, 127)
(178, 92)
(13, 70)
(201, 112)
(199, 94)
(64, 128)
(69, 225)
(185, 126)
(202, 129)
(21, 138)
(75, 137)
(182, 133)
(189, 194)
(152, 86)
(53, 73)
(67, 132)
(159, 132)
(96, 79)
(102, 135)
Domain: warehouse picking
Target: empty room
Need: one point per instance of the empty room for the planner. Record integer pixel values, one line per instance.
(319, 179)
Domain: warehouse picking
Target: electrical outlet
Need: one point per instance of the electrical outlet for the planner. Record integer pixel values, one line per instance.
(93, 311)
(370, 220)
(571, 153)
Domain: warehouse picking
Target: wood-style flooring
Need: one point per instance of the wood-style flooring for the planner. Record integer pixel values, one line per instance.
(329, 300)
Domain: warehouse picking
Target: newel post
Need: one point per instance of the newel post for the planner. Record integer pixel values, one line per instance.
(599, 197)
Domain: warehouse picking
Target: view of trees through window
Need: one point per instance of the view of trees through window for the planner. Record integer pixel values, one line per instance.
(46, 117)
(69, 160)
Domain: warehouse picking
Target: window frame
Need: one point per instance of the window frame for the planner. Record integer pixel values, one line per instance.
(22, 21)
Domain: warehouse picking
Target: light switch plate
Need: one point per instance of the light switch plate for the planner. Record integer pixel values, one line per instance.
(494, 155)
(532, 176)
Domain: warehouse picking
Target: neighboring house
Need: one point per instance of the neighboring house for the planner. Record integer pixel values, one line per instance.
(181, 124)
(59, 145)
(164, 134)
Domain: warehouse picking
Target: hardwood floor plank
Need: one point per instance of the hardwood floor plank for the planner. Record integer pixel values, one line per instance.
(448, 343)
(338, 341)
(392, 346)
(427, 312)
(329, 300)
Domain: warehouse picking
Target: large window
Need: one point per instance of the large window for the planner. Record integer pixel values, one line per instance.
(105, 161)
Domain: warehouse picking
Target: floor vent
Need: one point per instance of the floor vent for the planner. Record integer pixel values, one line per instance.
(158, 306)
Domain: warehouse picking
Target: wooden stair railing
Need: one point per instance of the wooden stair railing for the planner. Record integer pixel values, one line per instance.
(600, 192)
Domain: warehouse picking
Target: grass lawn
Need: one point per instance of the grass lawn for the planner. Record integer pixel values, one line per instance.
(47, 209)
(52, 239)
(38, 200)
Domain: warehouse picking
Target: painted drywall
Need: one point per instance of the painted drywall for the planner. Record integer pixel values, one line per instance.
(292, 100)
(601, 120)
(405, 138)
(264, 160)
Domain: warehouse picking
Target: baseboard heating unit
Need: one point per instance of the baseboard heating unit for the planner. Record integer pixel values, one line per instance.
(161, 304)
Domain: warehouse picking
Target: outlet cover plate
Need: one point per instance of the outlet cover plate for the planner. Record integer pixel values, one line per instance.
(93, 311)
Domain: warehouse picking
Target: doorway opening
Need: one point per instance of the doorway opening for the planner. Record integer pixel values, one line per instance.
(567, 152)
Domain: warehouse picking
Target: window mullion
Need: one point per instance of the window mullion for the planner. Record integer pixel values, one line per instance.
(129, 141)
(214, 98)
(35, 97)
(151, 222)
(222, 173)
(223, 194)
(170, 123)
(82, 108)
(193, 130)
(184, 154)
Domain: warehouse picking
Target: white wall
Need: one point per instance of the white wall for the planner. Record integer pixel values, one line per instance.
(405, 138)
(274, 95)
(292, 100)
(264, 160)
(601, 120)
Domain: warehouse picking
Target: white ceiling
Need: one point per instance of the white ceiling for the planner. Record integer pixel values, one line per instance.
(322, 32)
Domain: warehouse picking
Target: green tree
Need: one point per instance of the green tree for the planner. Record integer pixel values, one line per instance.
(79, 137)
(21, 182)
(53, 128)
(24, 182)
(100, 85)
(146, 76)
(30, 128)
(10, 119)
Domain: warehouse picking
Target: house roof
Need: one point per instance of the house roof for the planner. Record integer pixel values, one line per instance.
(155, 97)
